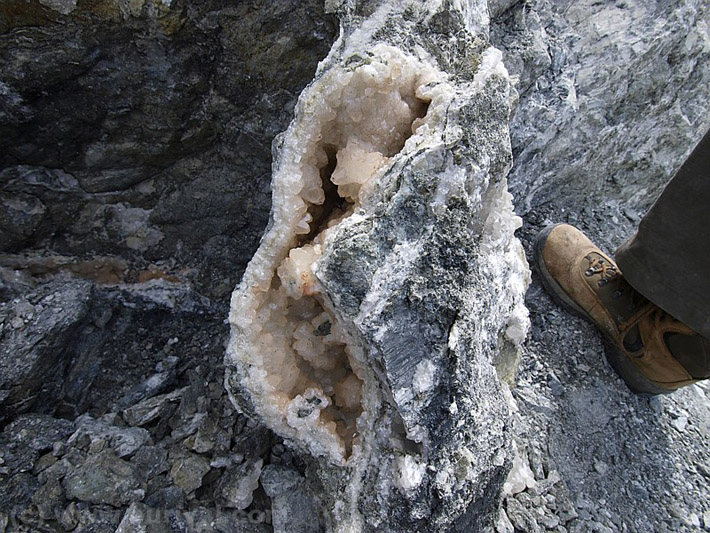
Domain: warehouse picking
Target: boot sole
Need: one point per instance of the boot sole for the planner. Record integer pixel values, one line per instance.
(622, 365)
(634, 379)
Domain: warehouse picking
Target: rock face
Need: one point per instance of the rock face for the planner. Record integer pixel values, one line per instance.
(614, 89)
(366, 326)
(613, 96)
(140, 130)
(32, 367)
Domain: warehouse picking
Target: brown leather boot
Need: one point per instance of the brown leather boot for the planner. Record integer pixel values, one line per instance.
(653, 352)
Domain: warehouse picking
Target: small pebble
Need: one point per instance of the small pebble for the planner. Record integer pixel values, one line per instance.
(680, 423)
(600, 467)
(656, 405)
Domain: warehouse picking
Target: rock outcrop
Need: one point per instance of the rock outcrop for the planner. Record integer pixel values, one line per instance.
(366, 327)
(141, 130)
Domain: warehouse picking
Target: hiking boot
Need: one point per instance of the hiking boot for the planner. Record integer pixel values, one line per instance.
(653, 352)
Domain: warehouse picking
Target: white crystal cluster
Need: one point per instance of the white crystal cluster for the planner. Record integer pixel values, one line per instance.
(304, 372)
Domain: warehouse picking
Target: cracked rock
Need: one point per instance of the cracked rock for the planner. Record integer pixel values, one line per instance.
(188, 470)
(125, 441)
(293, 507)
(366, 327)
(104, 478)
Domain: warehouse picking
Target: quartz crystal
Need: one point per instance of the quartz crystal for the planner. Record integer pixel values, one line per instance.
(389, 282)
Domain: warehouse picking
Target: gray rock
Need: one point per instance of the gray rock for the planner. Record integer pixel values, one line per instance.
(498, 7)
(20, 216)
(188, 426)
(151, 460)
(251, 439)
(38, 432)
(44, 462)
(57, 470)
(125, 441)
(520, 517)
(187, 471)
(23, 440)
(104, 478)
(69, 518)
(503, 524)
(33, 355)
(147, 369)
(16, 492)
(11, 461)
(155, 384)
(620, 121)
(203, 439)
(236, 486)
(97, 519)
(166, 498)
(49, 500)
(556, 386)
(140, 518)
(293, 505)
(147, 411)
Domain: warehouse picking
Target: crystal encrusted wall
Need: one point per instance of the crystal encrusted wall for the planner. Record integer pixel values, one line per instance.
(388, 282)
(306, 372)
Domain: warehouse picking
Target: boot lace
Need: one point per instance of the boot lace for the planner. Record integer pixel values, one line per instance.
(606, 271)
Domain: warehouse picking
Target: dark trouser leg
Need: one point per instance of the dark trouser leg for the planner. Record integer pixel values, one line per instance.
(668, 260)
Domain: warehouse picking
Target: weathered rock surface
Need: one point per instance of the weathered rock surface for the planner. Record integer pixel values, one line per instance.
(35, 332)
(141, 130)
(293, 505)
(613, 96)
(389, 281)
(104, 478)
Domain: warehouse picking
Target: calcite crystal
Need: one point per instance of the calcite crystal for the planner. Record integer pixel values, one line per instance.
(365, 328)
(304, 369)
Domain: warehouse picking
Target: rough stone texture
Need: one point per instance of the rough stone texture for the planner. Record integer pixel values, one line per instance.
(98, 95)
(34, 334)
(613, 89)
(293, 506)
(123, 441)
(421, 278)
(60, 341)
(613, 96)
(104, 478)
(141, 130)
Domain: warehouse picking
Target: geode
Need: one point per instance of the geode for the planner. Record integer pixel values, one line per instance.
(388, 282)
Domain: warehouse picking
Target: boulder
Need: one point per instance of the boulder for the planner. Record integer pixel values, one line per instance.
(388, 283)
